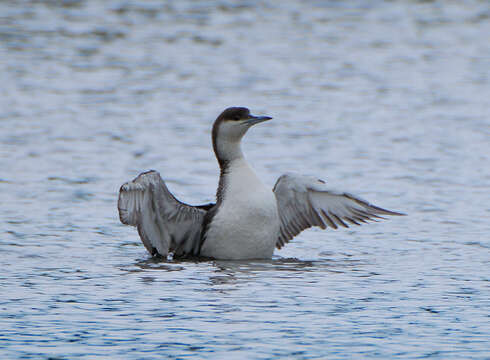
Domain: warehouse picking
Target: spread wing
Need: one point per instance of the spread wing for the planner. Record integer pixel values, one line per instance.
(304, 202)
(164, 223)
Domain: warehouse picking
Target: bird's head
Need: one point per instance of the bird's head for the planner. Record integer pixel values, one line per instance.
(229, 128)
(234, 122)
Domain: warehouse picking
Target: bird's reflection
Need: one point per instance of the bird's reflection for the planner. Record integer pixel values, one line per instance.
(233, 272)
(158, 263)
(224, 274)
(229, 267)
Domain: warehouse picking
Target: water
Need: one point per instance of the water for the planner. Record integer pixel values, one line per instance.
(389, 100)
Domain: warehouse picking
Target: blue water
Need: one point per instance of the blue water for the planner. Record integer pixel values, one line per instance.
(388, 100)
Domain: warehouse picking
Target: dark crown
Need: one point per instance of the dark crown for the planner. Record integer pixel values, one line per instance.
(235, 113)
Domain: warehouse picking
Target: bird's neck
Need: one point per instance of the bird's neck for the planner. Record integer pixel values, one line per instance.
(227, 146)
(230, 158)
(227, 151)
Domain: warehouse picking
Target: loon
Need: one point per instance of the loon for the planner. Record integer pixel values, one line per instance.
(248, 220)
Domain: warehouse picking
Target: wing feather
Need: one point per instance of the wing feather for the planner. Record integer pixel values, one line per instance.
(164, 223)
(304, 202)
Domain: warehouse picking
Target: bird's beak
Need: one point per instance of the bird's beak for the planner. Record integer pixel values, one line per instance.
(256, 119)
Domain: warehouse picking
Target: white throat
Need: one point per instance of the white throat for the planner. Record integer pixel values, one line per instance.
(229, 150)
(227, 138)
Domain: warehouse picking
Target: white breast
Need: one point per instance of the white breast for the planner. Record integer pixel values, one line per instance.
(246, 225)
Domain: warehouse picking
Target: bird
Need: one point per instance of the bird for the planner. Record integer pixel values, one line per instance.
(248, 220)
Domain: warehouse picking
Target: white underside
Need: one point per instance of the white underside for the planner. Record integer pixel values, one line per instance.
(246, 225)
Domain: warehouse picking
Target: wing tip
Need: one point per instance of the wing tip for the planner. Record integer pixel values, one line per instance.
(123, 217)
(128, 203)
(387, 212)
(377, 209)
(124, 214)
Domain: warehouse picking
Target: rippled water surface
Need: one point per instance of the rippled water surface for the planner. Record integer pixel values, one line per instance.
(389, 100)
